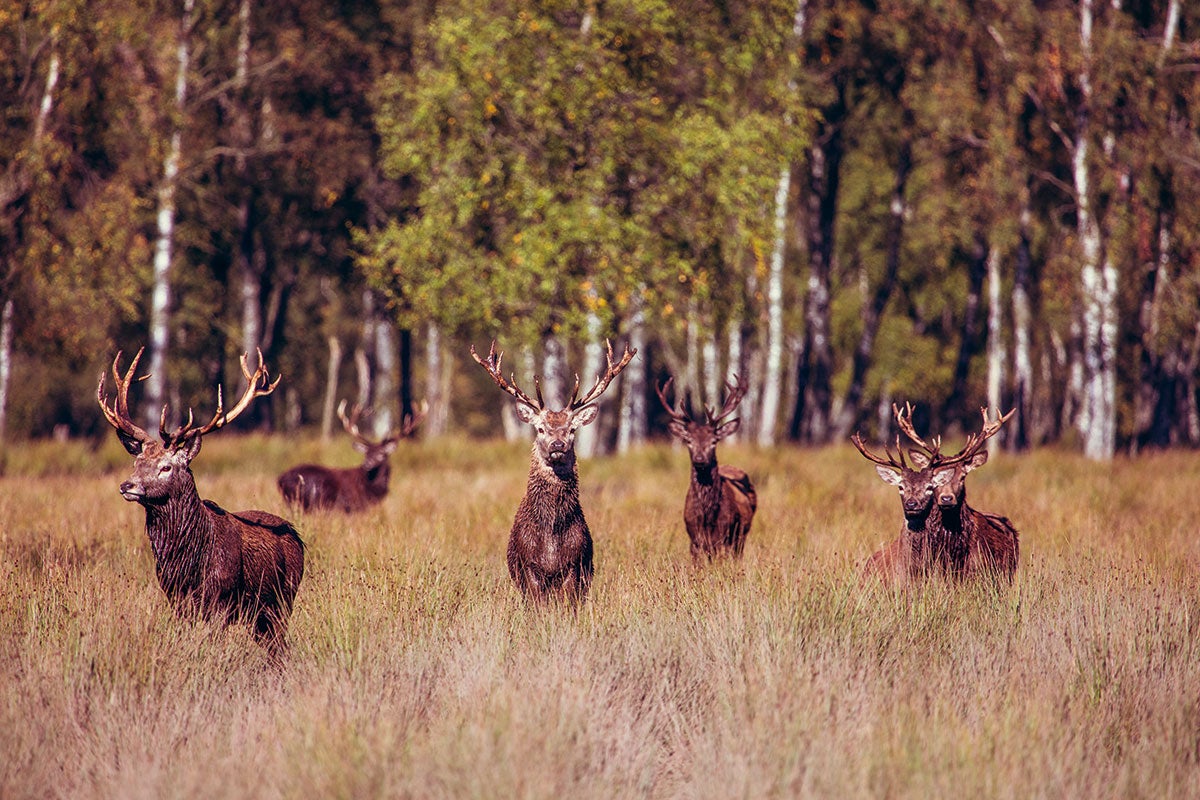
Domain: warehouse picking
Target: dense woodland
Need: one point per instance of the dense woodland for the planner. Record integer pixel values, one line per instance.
(852, 203)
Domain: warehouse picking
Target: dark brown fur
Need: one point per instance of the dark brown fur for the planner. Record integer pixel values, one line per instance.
(941, 534)
(720, 502)
(227, 567)
(549, 546)
(312, 486)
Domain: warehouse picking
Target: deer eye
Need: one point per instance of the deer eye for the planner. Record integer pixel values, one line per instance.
(164, 469)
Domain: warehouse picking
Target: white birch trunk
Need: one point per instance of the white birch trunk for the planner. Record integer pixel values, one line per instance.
(331, 386)
(1170, 30)
(6, 351)
(1098, 277)
(554, 368)
(632, 425)
(160, 299)
(712, 370)
(772, 378)
(733, 361)
(995, 342)
(587, 438)
(439, 412)
(385, 394)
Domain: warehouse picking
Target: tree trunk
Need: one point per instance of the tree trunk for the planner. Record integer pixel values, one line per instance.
(873, 310)
(6, 354)
(385, 392)
(995, 342)
(773, 375)
(405, 388)
(160, 299)
(587, 439)
(331, 386)
(439, 411)
(957, 406)
(814, 400)
(1022, 310)
(633, 425)
(1098, 280)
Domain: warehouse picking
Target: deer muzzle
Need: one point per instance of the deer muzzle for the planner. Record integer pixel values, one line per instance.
(131, 491)
(557, 450)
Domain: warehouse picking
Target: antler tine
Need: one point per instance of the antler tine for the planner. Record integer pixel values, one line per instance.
(904, 422)
(492, 367)
(350, 423)
(675, 412)
(118, 414)
(734, 394)
(409, 425)
(602, 381)
(258, 384)
(871, 456)
(976, 441)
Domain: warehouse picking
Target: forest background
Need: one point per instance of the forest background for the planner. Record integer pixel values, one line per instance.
(853, 204)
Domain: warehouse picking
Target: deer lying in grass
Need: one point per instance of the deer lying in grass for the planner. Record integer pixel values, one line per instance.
(550, 547)
(941, 533)
(311, 486)
(720, 501)
(242, 567)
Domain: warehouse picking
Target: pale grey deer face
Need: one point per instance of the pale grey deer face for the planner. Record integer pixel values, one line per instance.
(158, 472)
(950, 483)
(555, 441)
(915, 485)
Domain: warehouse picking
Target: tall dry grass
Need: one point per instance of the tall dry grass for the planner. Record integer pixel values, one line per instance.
(417, 671)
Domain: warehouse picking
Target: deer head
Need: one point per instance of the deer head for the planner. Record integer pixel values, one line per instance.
(950, 474)
(376, 451)
(701, 435)
(555, 441)
(914, 480)
(161, 465)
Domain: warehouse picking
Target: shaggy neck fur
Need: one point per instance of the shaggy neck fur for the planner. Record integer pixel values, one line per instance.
(180, 530)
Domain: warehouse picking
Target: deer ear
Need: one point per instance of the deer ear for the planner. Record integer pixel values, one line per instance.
(584, 415)
(728, 429)
(525, 413)
(978, 461)
(191, 448)
(132, 444)
(888, 474)
(919, 458)
(361, 447)
(679, 430)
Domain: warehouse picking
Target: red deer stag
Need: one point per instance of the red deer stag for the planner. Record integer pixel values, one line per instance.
(240, 567)
(720, 501)
(312, 486)
(550, 547)
(933, 539)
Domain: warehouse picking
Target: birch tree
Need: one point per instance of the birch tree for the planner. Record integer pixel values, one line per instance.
(160, 300)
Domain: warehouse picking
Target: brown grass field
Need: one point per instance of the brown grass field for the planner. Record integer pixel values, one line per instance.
(416, 671)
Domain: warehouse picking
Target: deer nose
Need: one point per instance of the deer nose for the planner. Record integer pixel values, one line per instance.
(130, 491)
(912, 504)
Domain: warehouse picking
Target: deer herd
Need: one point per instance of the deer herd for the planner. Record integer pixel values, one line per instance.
(245, 567)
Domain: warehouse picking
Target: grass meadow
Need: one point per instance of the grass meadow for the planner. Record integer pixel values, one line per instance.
(417, 671)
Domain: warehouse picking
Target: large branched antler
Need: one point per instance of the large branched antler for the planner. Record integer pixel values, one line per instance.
(258, 384)
(893, 461)
(735, 391)
(677, 412)
(904, 422)
(976, 441)
(492, 367)
(350, 423)
(603, 380)
(118, 414)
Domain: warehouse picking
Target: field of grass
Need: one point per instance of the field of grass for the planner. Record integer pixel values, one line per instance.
(416, 670)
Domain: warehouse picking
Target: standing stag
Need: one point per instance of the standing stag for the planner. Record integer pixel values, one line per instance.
(550, 547)
(940, 532)
(720, 501)
(312, 486)
(242, 567)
